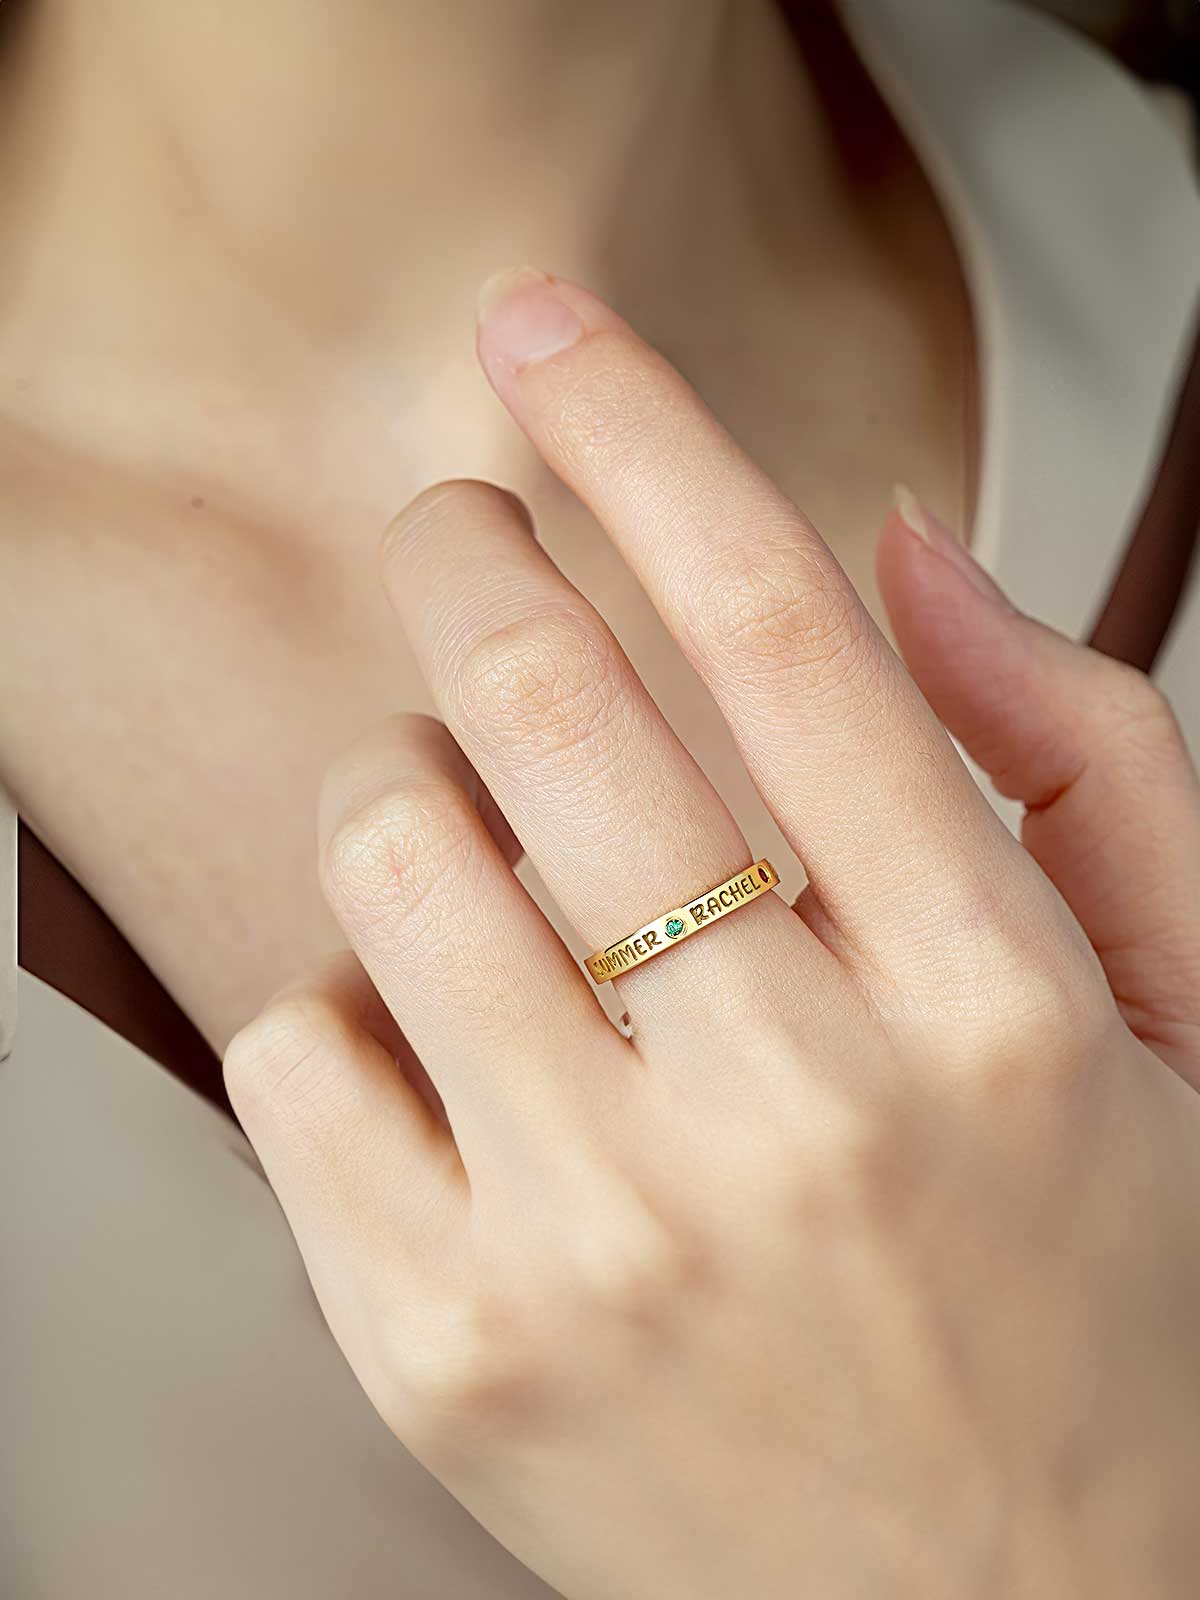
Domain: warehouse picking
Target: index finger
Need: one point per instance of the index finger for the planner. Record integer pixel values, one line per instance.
(857, 771)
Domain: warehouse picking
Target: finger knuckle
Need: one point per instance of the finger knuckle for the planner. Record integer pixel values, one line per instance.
(782, 608)
(281, 1064)
(383, 860)
(546, 683)
(1141, 719)
(462, 501)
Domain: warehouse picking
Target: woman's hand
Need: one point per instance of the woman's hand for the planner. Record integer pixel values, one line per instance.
(869, 1265)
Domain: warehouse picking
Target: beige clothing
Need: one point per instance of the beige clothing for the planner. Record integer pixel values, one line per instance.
(175, 1418)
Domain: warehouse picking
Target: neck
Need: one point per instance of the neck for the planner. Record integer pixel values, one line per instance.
(353, 169)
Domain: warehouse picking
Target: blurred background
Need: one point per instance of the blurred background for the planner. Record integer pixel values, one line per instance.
(1157, 39)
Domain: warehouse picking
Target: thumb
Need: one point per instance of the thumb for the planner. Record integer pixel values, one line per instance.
(1092, 749)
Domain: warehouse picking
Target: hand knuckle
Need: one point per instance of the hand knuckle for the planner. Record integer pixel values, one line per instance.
(473, 1379)
(548, 682)
(1034, 1032)
(457, 1386)
(1002, 944)
(636, 1270)
(1044, 999)
(849, 1173)
(381, 860)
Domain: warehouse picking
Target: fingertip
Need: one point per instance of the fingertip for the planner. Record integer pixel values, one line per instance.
(525, 319)
(938, 597)
(918, 590)
(449, 509)
(501, 285)
(910, 511)
(894, 550)
(929, 536)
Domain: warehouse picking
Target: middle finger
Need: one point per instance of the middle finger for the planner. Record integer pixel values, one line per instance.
(840, 743)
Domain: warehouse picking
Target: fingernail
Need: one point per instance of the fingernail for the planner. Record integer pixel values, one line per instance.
(523, 321)
(936, 536)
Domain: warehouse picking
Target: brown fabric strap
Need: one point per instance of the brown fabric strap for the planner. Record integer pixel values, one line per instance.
(8, 923)
(68, 941)
(1146, 593)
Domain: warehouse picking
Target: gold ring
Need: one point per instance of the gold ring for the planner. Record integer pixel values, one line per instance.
(675, 926)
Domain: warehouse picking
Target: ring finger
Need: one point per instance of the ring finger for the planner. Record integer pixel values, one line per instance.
(611, 808)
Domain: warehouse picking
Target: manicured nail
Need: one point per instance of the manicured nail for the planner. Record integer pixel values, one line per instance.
(936, 536)
(523, 321)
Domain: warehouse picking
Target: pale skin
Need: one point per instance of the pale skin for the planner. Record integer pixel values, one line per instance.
(620, 1244)
(239, 266)
(868, 1264)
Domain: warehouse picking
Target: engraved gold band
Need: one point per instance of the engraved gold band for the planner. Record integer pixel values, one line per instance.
(675, 926)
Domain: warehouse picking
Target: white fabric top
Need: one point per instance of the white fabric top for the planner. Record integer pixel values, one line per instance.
(176, 1418)
(1078, 222)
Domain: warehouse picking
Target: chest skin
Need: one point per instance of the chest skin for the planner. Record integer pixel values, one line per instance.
(192, 635)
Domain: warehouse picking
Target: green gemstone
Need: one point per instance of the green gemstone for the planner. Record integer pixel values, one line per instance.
(673, 927)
